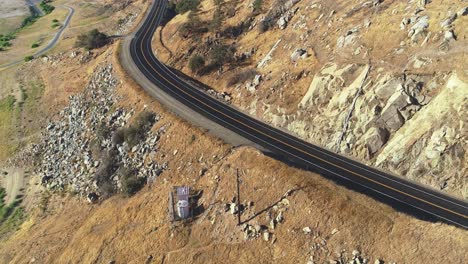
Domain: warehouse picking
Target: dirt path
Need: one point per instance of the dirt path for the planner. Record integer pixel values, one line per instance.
(13, 182)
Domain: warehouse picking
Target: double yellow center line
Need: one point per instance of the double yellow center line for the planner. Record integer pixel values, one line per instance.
(284, 143)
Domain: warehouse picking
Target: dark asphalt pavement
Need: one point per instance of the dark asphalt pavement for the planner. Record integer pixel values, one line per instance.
(414, 198)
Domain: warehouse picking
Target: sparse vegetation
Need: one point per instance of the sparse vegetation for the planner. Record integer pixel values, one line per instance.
(55, 23)
(8, 104)
(221, 54)
(36, 44)
(92, 40)
(217, 21)
(136, 131)
(186, 5)
(192, 27)
(28, 58)
(196, 63)
(257, 6)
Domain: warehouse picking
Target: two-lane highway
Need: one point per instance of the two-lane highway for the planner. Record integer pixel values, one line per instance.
(161, 82)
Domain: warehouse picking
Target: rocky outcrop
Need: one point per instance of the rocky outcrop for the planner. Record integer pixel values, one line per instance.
(431, 147)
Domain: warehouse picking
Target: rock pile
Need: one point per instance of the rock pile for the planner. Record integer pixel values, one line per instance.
(355, 258)
(125, 24)
(71, 152)
(274, 217)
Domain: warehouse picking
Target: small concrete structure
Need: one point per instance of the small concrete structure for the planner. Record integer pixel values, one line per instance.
(180, 203)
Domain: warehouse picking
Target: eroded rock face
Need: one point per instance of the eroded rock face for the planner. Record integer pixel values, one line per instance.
(431, 146)
(385, 116)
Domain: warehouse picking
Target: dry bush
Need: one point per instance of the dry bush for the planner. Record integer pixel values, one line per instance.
(242, 76)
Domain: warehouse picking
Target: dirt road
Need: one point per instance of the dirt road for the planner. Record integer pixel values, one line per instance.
(13, 182)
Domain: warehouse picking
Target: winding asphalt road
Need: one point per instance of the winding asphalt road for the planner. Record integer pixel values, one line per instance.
(51, 43)
(191, 103)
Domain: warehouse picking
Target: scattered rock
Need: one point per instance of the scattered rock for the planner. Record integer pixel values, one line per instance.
(252, 86)
(463, 12)
(92, 197)
(233, 208)
(299, 53)
(419, 28)
(375, 138)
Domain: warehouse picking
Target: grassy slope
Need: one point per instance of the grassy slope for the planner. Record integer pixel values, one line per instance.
(11, 216)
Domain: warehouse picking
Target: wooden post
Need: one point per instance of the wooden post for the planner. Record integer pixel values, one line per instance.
(238, 199)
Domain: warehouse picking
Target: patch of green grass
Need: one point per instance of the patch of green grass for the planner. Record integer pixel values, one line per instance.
(7, 127)
(8, 104)
(11, 111)
(11, 216)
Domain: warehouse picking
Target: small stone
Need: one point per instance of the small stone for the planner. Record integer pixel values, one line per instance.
(233, 208)
(355, 253)
(463, 12)
(306, 230)
(279, 218)
(266, 236)
(378, 261)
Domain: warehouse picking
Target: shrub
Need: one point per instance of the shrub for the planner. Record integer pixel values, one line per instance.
(28, 58)
(55, 20)
(92, 40)
(28, 21)
(35, 45)
(46, 7)
(131, 184)
(257, 5)
(221, 54)
(105, 171)
(196, 63)
(242, 76)
(186, 5)
(136, 131)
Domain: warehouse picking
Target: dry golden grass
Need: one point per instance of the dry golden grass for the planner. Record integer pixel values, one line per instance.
(128, 230)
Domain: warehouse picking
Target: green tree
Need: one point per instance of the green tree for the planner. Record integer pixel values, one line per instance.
(92, 40)
(218, 19)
